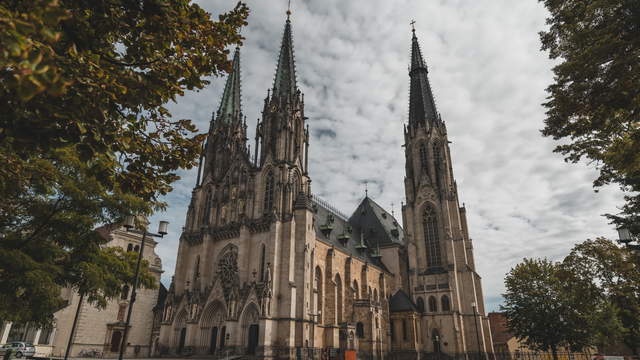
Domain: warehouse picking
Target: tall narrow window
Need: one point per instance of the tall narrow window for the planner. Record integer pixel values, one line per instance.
(318, 294)
(430, 224)
(420, 304)
(360, 330)
(446, 304)
(356, 291)
(437, 163)
(262, 264)
(423, 157)
(338, 282)
(393, 330)
(196, 269)
(433, 304)
(206, 214)
(404, 330)
(295, 190)
(268, 193)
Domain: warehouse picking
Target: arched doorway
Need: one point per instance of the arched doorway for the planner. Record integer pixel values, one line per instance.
(251, 328)
(252, 345)
(183, 338)
(214, 340)
(180, 331)
(213, 318)
(435, 337)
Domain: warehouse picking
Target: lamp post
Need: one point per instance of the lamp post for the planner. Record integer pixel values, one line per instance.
(475, 318)
(129, 224)
(626, 237)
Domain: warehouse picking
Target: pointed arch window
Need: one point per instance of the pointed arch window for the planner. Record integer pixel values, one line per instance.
(262, 262)
(356, 291)
(424, 163)
(420, 305)
(431, 238)
(433, 304)
(318, 294)
(208, 204)
(437, 163)
(446, 304)
(196, 269)
(268, 193)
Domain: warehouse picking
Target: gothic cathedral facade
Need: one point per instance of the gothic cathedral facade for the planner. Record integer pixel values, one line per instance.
(266, 269)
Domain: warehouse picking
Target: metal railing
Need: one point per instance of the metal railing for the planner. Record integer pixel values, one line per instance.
(325, 204)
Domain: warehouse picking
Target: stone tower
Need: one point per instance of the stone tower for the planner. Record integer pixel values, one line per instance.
(264, 268)
(443, 280)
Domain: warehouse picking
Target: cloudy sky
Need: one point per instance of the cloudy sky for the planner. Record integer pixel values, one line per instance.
(488, 76)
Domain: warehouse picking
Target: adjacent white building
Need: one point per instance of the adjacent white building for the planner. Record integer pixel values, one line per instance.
(99, 331)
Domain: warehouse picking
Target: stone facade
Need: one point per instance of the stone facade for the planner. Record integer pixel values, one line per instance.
(266, 269)
(97, 329)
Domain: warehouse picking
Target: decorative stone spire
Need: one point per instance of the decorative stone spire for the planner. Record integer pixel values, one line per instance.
(284, 84)
(230, 108)
(422, 107)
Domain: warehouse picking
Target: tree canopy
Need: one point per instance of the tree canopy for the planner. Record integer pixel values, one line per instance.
(534, 304)
(590, 299)
(85, 137)
(593, 106)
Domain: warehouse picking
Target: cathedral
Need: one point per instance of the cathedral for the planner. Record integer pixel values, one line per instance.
(266, 269)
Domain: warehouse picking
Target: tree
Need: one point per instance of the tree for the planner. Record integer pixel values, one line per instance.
(610, 269)
(85, 138)
(594, 104)
(544, 309)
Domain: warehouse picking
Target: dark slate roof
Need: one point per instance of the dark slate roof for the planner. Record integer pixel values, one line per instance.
(422, 106)
(369, 222)
(230, 106)
(401, 302)
(284, 83)
(380, 227)
(341, 226)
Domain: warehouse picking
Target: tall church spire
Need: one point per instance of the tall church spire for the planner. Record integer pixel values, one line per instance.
(227, 132)
(422, 107)
(285, 80)
(230, 107)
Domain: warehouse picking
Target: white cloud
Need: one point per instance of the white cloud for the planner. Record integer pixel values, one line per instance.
(488, 77)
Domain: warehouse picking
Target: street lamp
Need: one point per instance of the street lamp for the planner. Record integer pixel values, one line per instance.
(626, 237)
(129, 224)
(475, 318)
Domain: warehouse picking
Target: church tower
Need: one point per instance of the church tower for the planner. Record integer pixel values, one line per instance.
(282, 141)
(443, 280)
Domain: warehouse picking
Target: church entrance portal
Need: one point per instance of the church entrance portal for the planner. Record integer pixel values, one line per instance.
(183, 336)
(214, 340)
(254, 331)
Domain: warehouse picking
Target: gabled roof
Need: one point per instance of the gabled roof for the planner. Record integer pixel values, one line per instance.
(380, 228)
(401, 302)
(326, 215)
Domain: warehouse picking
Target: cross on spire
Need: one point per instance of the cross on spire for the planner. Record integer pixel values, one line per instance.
(366, 189)
(288, 9)
(413, 24)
